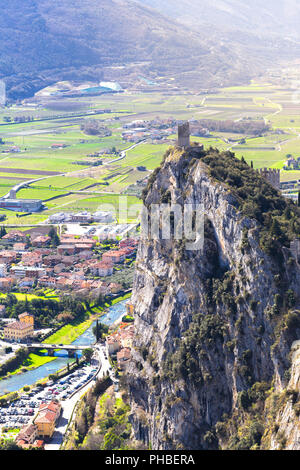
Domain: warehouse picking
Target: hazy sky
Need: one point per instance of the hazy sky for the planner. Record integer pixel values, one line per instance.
(258, 16)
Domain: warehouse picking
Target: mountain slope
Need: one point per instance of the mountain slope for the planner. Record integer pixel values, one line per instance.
(213, 329)
(43, 41)
(260, 18)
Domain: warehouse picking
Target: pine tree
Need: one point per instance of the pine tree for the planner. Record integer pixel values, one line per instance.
(54, 237)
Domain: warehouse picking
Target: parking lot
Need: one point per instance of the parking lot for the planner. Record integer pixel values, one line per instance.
(23, 410)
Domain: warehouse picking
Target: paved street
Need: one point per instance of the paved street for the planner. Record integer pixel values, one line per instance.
(69, 405)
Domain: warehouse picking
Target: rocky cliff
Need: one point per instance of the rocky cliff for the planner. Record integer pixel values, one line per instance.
(212, 364)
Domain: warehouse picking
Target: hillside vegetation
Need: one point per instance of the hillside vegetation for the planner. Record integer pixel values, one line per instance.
(44, 41)
(215, 327)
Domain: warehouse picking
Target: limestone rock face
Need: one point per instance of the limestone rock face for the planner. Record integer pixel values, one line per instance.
(204, 321)
(286, 432)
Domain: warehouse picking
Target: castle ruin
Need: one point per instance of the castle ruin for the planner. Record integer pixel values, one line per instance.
(271, 175)
(184, 135)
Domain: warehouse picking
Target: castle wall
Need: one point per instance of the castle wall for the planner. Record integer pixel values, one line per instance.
(271, 175)
(184, 135)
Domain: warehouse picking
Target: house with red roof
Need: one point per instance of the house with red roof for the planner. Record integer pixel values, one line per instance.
(15, 236)
(46, 419)
(41, 241)
(115, 256)
(28, 437)
(7, 257)
(123, 357)
(102, 269)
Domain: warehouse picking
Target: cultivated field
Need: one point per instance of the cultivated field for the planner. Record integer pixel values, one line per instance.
(69, 182)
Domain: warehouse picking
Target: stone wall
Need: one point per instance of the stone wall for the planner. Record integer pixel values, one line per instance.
(184, 135)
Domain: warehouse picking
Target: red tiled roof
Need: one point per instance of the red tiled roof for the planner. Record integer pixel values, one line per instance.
(38, 443)
(52, 406)
(6, 280)
(25, 314)
(18, 326)
(8, 253)
(42, 238)
(14, 233)
(46, 417)
(124, 354)
(26, 432)
(21, 442)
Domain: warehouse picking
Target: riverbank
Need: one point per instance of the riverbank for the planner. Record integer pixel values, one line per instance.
(69, 333)
(108, 316)
(119, 299)
(65, 335)
(32, 362)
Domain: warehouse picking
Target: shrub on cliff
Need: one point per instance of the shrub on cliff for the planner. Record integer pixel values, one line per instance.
(256, 197)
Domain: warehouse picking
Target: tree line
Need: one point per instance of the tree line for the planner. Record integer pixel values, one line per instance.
(246, 126)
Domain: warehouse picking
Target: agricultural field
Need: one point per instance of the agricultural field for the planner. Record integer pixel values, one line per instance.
(47, 294)
(147, 155)
(66, 177)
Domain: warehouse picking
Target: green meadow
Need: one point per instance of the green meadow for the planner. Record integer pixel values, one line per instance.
(64, 173)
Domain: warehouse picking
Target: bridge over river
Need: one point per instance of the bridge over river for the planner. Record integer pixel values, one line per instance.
(71, 348)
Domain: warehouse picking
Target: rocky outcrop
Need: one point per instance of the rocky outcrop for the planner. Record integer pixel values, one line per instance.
(283, 422)
(213, 326)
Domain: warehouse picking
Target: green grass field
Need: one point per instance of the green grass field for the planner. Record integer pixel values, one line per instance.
(68, 333)
(146, 155)
(262, 99)
(32, 362)
(20, 296)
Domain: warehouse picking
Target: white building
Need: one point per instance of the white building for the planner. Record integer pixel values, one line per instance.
(24, 271)
(103, 217)
(115, 86)
(59, 218)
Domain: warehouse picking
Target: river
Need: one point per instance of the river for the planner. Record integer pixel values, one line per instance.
(17, 382)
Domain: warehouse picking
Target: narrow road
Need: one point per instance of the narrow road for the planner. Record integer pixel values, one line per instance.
(69, 405)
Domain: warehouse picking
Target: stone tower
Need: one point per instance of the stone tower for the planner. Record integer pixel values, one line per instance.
(184, 135)
(272, 175)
